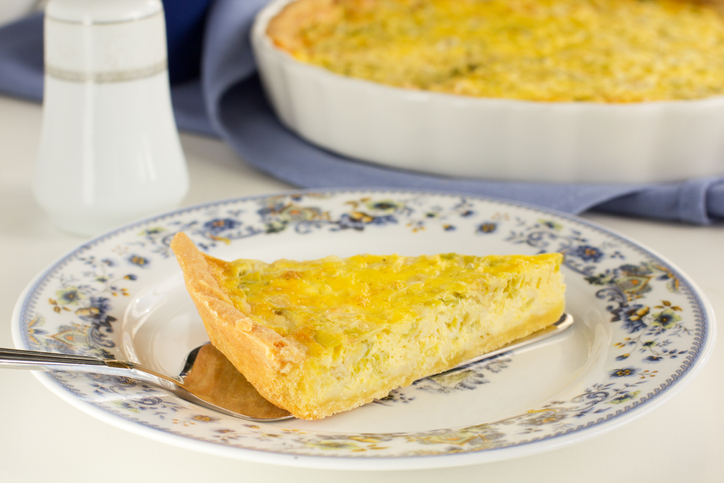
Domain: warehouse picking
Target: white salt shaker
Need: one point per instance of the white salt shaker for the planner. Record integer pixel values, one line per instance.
(110, 151)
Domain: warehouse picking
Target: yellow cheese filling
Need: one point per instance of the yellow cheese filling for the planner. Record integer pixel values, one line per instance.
(611, 51)
(326, 303)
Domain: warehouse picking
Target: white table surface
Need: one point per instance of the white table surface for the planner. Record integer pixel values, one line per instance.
(43, 438)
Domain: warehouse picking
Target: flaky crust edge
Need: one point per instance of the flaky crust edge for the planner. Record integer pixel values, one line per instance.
(262, 355)
(283, 28)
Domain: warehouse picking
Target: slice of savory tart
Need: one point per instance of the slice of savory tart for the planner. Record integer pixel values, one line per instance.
(323, 336)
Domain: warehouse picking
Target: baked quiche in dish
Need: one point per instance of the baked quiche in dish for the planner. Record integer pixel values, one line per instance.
(323, 336)
(595, 91)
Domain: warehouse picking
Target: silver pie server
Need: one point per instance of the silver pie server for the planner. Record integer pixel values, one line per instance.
(51, 361)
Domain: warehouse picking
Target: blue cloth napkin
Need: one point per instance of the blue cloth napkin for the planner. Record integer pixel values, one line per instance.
(228, 101)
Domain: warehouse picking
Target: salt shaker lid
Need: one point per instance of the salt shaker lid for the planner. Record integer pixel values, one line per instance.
(95, 11)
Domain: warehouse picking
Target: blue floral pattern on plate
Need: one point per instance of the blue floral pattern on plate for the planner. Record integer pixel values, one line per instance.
(646, 328)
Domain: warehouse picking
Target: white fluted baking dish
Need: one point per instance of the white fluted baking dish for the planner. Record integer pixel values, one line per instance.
(490, 138)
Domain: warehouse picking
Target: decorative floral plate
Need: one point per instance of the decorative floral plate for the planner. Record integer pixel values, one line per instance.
(642, 330)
